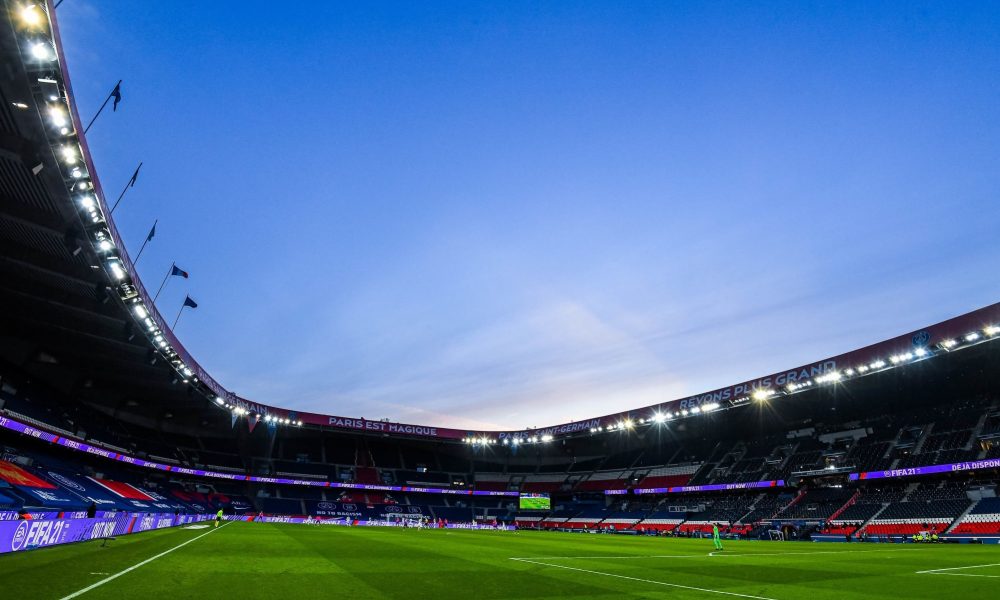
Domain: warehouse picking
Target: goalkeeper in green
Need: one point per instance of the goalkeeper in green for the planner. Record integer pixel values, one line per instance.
(715, 536)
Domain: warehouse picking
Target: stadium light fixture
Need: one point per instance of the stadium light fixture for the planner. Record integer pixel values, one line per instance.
(116, 270)
(971, 337)
(949, 344)
(878, 364)
(140, 311)
(42, 51)
(58, 116)
(695, 409)
(991, 329)
(659, 417)
(30, 15)
(628, 424)
(546, 438)
(920, 351)
(69, 154)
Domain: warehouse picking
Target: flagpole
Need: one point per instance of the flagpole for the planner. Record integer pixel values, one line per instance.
(131, 182)
(169, 271)
(86, 129)
(174, 326)
(148, 237)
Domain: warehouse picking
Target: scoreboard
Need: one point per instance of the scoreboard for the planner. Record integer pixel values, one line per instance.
(534, 502)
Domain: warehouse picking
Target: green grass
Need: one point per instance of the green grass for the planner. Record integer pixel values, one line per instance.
(253, 560)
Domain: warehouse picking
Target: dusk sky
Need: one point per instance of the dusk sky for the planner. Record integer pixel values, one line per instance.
(519, 214)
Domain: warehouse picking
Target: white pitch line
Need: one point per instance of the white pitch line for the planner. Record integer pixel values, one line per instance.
(715, 554)
(929, 571)
(673, 585)
(136, 566)
(964, 575)
(806, 553)
(606, 557)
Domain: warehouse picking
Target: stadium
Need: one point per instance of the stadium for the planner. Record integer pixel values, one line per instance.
(128, 470)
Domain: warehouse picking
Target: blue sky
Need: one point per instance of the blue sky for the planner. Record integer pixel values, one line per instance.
(518, 214)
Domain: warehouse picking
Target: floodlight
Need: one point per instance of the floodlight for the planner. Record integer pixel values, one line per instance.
(69, 154)
(30, 15)
(116, 270)
(58, 116)
(42, 51)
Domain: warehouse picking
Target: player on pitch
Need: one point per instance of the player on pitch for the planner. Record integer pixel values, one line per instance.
(715, 537)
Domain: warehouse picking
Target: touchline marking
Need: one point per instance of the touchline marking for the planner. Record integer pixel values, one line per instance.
(935, 571)
(134, 567)
(673, 585)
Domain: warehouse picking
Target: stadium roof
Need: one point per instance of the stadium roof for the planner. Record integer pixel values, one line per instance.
(78, 314)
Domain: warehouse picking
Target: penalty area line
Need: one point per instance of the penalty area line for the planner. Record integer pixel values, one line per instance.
(136, 566)
(653, 581)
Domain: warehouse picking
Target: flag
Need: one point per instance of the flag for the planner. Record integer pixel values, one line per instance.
(131, 182)
(152, 232)
(176, 272)
(117, 95)
(189, 302)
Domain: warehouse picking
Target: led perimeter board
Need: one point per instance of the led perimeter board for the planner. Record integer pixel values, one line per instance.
(534, 502)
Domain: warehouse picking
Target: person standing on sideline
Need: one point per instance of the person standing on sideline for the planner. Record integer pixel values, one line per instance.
(715, 536)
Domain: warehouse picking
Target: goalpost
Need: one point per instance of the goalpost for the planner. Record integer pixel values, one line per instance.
(776, 535)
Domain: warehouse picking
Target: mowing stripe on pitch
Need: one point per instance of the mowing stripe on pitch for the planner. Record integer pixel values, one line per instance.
(136, 566)
(653, 581)
(940, 571)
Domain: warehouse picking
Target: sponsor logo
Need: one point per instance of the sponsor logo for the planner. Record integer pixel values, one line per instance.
(326, 506)
(415, 510)
(38, 533)
(921, 338)
(350, 507)
(19, 536)
(391, 510)
(102, 529)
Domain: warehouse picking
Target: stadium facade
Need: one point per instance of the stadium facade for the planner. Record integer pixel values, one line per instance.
(102, 407)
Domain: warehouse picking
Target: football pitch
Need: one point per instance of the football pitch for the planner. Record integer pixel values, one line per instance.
(256, 560)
